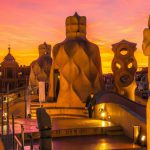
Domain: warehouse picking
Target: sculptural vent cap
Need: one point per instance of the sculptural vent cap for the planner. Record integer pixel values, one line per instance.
(75, 26)
(44, 49)
(124, 42)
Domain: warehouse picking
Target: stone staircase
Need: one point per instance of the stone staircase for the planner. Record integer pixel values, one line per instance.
(82, 133)
(59, 112)
(107, 131)
(84, 126)
(75, 122)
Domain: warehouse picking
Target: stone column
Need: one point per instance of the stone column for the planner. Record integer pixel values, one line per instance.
(41, 91)
(146, 51)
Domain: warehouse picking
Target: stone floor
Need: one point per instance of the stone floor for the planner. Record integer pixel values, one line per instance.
(30, 125)
(79, 123)
(92, 143)
(1, 145)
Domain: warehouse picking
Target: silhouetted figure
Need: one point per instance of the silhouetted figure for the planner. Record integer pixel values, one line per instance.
(44, 125)
(90, 103)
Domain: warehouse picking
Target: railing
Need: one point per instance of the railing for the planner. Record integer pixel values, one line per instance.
(14, 142)
(14, 90)
(17, 144)
(11, 141)
(20, 144)
(7, 104)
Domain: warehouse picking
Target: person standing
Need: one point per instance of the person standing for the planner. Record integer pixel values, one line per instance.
(90, 103)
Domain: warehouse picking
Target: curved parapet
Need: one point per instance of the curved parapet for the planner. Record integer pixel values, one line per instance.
(111, 97)
(121, 111)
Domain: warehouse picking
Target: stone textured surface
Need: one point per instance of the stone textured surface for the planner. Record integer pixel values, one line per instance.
(79, 64)
(124, 66)
(119, 117)
(146, 40)
(76, 26)
(146, 51)
(40, 68)
(95, 143)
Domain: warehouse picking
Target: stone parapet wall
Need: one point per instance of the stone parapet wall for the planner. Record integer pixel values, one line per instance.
(122, 117)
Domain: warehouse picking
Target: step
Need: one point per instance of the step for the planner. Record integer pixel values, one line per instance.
(83, 131)
(95, 143)
(115, 133)
(33, 116)
(91, 143)
(83, 126)
(63, 127)
(60, 112)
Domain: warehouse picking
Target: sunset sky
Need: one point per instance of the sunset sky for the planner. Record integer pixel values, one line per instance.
(24, 24)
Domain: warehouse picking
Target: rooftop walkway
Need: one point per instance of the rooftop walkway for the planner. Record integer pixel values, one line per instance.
(81, 134)
(92, 143)
(69, 127)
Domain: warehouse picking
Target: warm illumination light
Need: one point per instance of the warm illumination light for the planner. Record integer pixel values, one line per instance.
(20, 73)
(6, 99)
(109, 117)
(109, 123)
(103, 114)
(136, 133)
(101, 107)
(5, 116)
(143, 138)
(32, 92)
(103, 123)
(118, 65)
(130, 65)
(123, 52)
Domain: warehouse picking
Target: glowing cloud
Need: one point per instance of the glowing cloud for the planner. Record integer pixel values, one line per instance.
(27, 23)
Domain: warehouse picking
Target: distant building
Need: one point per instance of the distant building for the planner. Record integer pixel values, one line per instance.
(142, 83)
(109, 82)
(12, 75)
(142, 79)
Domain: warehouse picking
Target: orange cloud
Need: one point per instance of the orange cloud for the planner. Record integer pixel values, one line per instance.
(27, 23)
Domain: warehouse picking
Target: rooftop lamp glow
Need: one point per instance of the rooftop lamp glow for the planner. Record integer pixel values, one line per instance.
(103, 114)
(143, 140)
